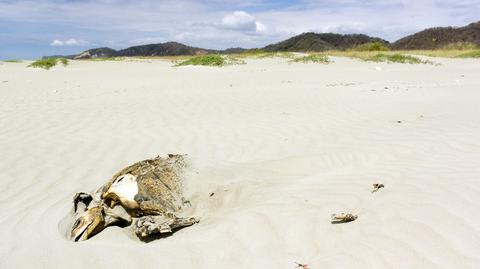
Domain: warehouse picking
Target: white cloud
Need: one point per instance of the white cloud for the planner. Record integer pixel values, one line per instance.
(260, 27)
(218, 24)
(69, 42)
(56, 43)
(241, 21)
(389, 19)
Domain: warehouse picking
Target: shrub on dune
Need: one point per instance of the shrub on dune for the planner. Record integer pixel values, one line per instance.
(48, 63)
(395, 58)
(64, 61)
(210, 60)
(313, 58)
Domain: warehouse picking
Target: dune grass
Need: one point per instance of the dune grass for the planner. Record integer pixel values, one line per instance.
(442, 53)
(44, 63)
(461, 46)
(463, 50)
(395, 58)
(312, 58)
(470, 54)
(12, 61)
(137, 58)
(260, 54)
(63, 61)
(104, 59)
(453, 50)
(48, 63)
(372, 46)
(210, 60)
(386, 56)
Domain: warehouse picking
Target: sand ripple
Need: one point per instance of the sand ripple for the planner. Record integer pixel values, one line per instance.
(279, 158)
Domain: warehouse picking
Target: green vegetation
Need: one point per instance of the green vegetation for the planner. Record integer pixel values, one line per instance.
(434, 53)
(107, 59)
(64, 61)
(313, 58)
(279, 54)
(444, 53)
(260, 53)
(372, 46)
(210, 60)
(48, 63)
(387, 56)
(461, 46)
(456, 50)
(471, 54)
(12, 61)
(44, 63)
(395, 58)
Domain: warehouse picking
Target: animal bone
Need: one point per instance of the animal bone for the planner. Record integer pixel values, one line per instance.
(81, 201)
(117, 214)
(343, 218)
(377, 186)
(88, 224)
(148, 225)
(147, 194)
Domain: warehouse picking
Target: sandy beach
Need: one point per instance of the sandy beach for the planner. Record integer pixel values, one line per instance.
(275, 148)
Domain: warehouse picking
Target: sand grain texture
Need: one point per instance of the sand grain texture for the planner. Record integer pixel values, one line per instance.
(282, 147)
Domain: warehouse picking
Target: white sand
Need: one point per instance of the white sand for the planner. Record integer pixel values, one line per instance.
(281, 145)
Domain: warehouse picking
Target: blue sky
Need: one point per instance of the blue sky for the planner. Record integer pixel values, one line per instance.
(30, 29)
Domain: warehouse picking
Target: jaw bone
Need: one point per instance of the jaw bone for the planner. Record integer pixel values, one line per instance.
(95, 219)
(93, 216)
(88, 224)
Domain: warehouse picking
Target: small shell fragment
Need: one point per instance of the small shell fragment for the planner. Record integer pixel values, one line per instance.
(377, 186)
(343, 218)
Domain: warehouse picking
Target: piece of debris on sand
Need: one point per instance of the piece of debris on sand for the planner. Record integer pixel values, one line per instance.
(377, 186)
(343, 218)
(302, 266)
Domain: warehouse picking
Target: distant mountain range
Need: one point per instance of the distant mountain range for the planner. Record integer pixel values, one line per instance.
(322, 42)
(162, 49)
(439, 37)
(432, 38)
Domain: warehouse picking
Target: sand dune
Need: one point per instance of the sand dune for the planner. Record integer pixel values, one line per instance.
(282, 146)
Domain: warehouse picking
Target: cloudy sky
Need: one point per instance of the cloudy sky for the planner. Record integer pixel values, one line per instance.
(29, 29)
